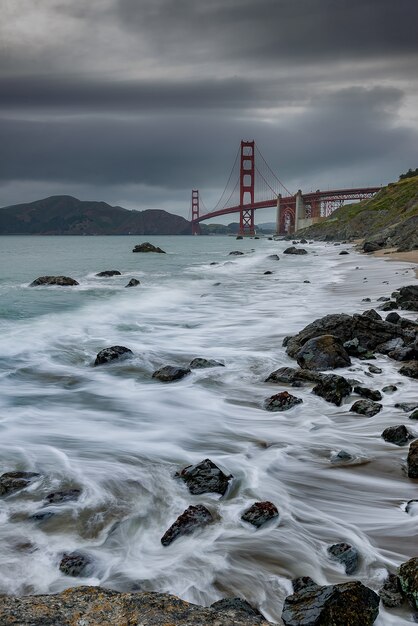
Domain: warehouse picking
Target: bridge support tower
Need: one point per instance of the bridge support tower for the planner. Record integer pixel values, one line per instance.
(195, 212)
(278, 215)
(246, 188)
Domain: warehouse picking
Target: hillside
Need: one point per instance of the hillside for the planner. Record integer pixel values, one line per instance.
(390, 218)
(65, 215)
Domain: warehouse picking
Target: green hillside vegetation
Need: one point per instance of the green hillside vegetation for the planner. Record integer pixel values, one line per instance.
(390, 218)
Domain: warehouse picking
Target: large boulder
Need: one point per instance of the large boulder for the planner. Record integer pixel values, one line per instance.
(347, 604)
(205, 477)
(407, 298)
(366, 407)
(10, 482)
(410, 369)
(61, 281)
(111, 354)
(399, 435)
(192, 518)
(169, 373)
(369, 332)
(323, 353)
(293, 250)
(96, 606)
(371, 246)
(147, 247)
(412, 460)
(260, 513)
(408, 578)
(333, 388)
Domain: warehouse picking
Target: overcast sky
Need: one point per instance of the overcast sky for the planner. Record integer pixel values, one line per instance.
(135, 102)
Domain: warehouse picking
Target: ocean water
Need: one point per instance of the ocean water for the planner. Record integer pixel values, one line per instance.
(120, 436)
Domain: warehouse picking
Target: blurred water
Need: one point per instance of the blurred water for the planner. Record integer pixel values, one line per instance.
(120, 435)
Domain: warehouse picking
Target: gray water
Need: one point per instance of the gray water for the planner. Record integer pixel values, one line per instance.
(120, 435)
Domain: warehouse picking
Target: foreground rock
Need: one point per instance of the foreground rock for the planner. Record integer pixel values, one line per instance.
(108, 273)
(412, 460)
(407, 298)
(147, 247)
(391, 592)
(281, 402)
(61, 281)
(293, 250)
(345, 554)
(323, 353)
(408, 578)
(169, 373)
(200, 363)
(347, 604)
(366, 407)
(10, 482)
(236, 606)
(205, 477)
(399, 435)
(260, 513)
(410, 370)
(134, 282)
(94, 606)
(333, 388)
(192, 518)
(111, 354)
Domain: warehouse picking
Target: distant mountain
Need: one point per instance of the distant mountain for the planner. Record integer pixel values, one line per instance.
(65, 215)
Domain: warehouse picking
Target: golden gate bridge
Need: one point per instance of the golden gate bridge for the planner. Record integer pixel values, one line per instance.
(253, 185)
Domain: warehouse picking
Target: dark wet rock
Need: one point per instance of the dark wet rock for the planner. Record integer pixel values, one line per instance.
(61, 281)
(216, 284)
(370, 394)
(391, 592)
(410, 370)
(372, 314)
(399, 435)
(192, 518)
(111, 354)
(353, 348)
(307, 281)
(406, 406)
(168, 373)
(371, 246)
(205, 477)
(10, 482)
(236, 253)
(267, 273)
(303, 583)
(341, 458)
(383, 299)
(366, 300)
(74, 564)
(347, 604)
(293, 250)
(214, 263)
(275, 257)
(236, 605)
(343, 252)
(389, 346)
(393, 318)
(373, 369)
(281, 402)
(303, 241)
(366, 407)
(107, 273)
(345, 554)
(95, 606)
(199, 363)
(290, 375)
(42, 516)
(414, 415)
(147, 247)
(323, 353)
(134, 282)
(260, 513)
(388, 306)
(408, 578)
(333, 388)
(407, 298)
(66, 495)
(407, 353)
(389, 389)
(412, 460)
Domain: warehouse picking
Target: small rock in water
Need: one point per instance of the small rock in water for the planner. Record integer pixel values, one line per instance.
(291, 375)
(111, 354)
(375, 370)
(307, 281)
(192, 518)
(74, 564)
(42, 516)
(399, 435)
(237, 605)
(412, 460)
(333, 388)
(408, 578)
(366, 407)
(389, 389)
(10, 482)
(147, 247)
(303, 583)
(345, 554)
(323, 353)
(391, 592)
(344, 252)
(414, 415)
(199, 363)
(371, 394)
(281, 402)
(275, 257)
(236, 253)
(346, 604)
(365, 299)
(411, 370)
(205, 477)
(134, 282)
(268, 272)
(406, 406)
(61, 281)
(170, 373)
(260, 513)
(107, 273)
(342, 457)
(293, 250)
(67, 495)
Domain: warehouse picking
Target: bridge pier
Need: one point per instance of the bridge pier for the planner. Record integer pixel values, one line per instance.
(278, 215)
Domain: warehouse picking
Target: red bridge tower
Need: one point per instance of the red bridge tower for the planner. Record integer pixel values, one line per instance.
(195, 212)
(246, 188)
